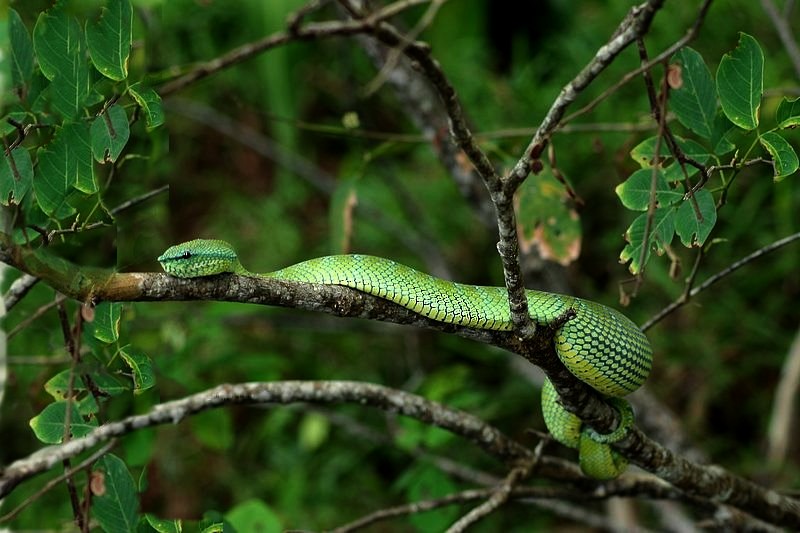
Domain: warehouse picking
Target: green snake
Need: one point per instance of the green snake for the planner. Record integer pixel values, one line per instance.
(600, 346)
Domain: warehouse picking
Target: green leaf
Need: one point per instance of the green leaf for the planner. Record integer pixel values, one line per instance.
(56, 38)
(64, 164)
(788, 113)
(142, 368)
(58, 385)
(784, 158)
(254, 515)
(16, 176)
(58, 41)
(163, 525)
(48, 426)
(110, 133)
(635, 191)
(68, 93)
(150, 102)
(546, 222)
(109, 39)
(106, 321)
(643, 152)
(691, 230)
(740, 82)
(695, 102)
(115, 506)
(661, 233)
(21, 50)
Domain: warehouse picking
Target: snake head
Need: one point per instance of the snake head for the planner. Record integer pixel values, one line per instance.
(198, 258)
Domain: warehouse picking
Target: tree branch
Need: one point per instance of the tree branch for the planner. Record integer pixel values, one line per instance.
(684, 298)
(485, 436)
(313, 30)
(488, 438)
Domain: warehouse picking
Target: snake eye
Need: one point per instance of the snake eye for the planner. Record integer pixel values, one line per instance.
(186, 254)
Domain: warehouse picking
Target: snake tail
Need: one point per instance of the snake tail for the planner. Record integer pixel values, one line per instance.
(596, 458)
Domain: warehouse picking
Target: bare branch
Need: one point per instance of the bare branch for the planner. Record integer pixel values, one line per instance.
(313, 30)
(666, 54)
(491, 440)
(86, 463)
(684, 299)
(633, 27)
(501, 494)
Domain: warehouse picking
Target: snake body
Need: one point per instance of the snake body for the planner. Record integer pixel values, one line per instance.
(600, 346)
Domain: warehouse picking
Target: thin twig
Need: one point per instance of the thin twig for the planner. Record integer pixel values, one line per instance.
(71, 345)
(412, 508)
(658, 105)
(35, 316)
(89, 461)
(75, 228)
(502, 196)
(309, 31)
(636, 23)
(501, 493)
(682, 300)
(535, 495)
(394, 54)
(294, 20)
(666, 54)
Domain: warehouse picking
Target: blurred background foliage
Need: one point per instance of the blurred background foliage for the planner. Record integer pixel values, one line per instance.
(717, 359)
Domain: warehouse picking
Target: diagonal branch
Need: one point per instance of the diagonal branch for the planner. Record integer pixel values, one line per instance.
(313, 30)
(633, 27)
(730, 269)
(490, 439)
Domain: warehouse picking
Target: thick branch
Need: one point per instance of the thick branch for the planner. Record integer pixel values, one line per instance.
(472, 428)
